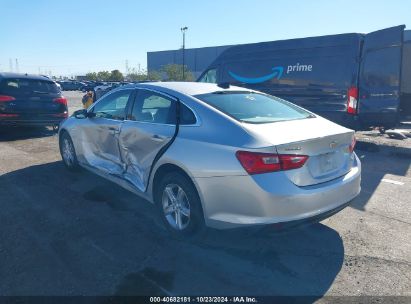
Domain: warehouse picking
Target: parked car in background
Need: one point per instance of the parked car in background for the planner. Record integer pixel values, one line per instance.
(356, 80)
(30, 100)
(59, 86)
(211, 156)
(71, 85)
(101, 90)
(89, 86)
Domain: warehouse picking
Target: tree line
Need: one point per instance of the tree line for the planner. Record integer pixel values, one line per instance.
(169, 72)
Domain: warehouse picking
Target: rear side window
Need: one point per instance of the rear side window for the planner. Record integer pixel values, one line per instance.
(154, 108)
(28, 86)
(253, 107)
(157, 108)
(186, 116)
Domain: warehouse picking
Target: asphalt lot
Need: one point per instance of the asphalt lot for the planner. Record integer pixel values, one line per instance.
(64, 233)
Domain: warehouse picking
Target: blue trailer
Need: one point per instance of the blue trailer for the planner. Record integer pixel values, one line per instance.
(356, 80)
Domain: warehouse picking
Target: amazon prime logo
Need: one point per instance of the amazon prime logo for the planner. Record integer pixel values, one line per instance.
(278, 72)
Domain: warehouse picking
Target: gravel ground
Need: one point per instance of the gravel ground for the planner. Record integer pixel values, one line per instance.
(374, 141)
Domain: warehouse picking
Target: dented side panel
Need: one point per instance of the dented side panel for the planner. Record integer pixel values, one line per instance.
(99, 144)
(140, 142)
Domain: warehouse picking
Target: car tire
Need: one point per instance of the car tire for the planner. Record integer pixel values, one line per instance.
(183, 217)
(68, 152)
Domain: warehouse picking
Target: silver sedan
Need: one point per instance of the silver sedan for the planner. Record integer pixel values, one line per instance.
(217, 156)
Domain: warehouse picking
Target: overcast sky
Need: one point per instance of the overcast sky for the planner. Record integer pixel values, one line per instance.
(73, 37)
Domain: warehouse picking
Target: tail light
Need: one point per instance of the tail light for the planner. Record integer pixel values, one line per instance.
(352, 145)
(255, 163)
(289, 162)
(352, 100)
(61, 100)
(5, 98)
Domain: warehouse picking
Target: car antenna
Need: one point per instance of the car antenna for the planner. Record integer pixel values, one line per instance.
(224, 85)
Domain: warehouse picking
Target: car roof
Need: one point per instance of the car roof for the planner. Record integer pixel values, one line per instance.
(5, 75)
(188, 88)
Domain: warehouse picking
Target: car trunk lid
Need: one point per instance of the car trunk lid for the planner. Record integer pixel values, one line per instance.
(327, 145)
(31, 97)
(34, 104)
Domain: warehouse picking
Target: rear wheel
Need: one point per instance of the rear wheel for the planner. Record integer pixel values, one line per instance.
(179, 206)
(67, 151)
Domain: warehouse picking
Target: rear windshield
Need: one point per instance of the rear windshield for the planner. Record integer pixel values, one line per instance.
(253, 107)
(19, 86)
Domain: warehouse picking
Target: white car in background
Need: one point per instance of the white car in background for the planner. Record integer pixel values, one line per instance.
(101, 90)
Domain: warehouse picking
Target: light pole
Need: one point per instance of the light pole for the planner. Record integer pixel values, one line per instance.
(183, 30)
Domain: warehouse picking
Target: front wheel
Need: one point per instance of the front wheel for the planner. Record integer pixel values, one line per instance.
(67, 151)
(179, 206)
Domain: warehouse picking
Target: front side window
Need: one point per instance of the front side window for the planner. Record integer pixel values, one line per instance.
(113, 106)
(253, 107)
(210, 76)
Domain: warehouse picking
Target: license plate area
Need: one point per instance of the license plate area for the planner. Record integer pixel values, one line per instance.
(327, 162)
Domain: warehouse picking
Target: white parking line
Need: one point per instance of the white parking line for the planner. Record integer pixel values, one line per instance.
(390, 181)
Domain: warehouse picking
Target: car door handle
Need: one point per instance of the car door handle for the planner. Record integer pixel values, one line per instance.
(114, 130)
(157, 137)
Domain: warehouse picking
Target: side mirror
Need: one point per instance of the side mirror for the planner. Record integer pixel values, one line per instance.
(81, 114)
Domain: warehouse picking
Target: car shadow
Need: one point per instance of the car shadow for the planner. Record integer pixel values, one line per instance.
(10, 133)
(88, 236)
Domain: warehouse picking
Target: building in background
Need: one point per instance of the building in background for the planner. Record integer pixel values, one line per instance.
(196, 60)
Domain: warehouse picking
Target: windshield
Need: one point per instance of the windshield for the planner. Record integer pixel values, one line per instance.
(253, 107)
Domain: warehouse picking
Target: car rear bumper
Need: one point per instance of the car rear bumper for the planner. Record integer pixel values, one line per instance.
(264, 199)
(31, 122)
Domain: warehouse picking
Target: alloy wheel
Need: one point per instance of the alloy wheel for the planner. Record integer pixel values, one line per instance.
(68, 152)
(176, 207)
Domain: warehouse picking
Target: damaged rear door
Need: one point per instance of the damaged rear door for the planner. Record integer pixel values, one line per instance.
(146, 133)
